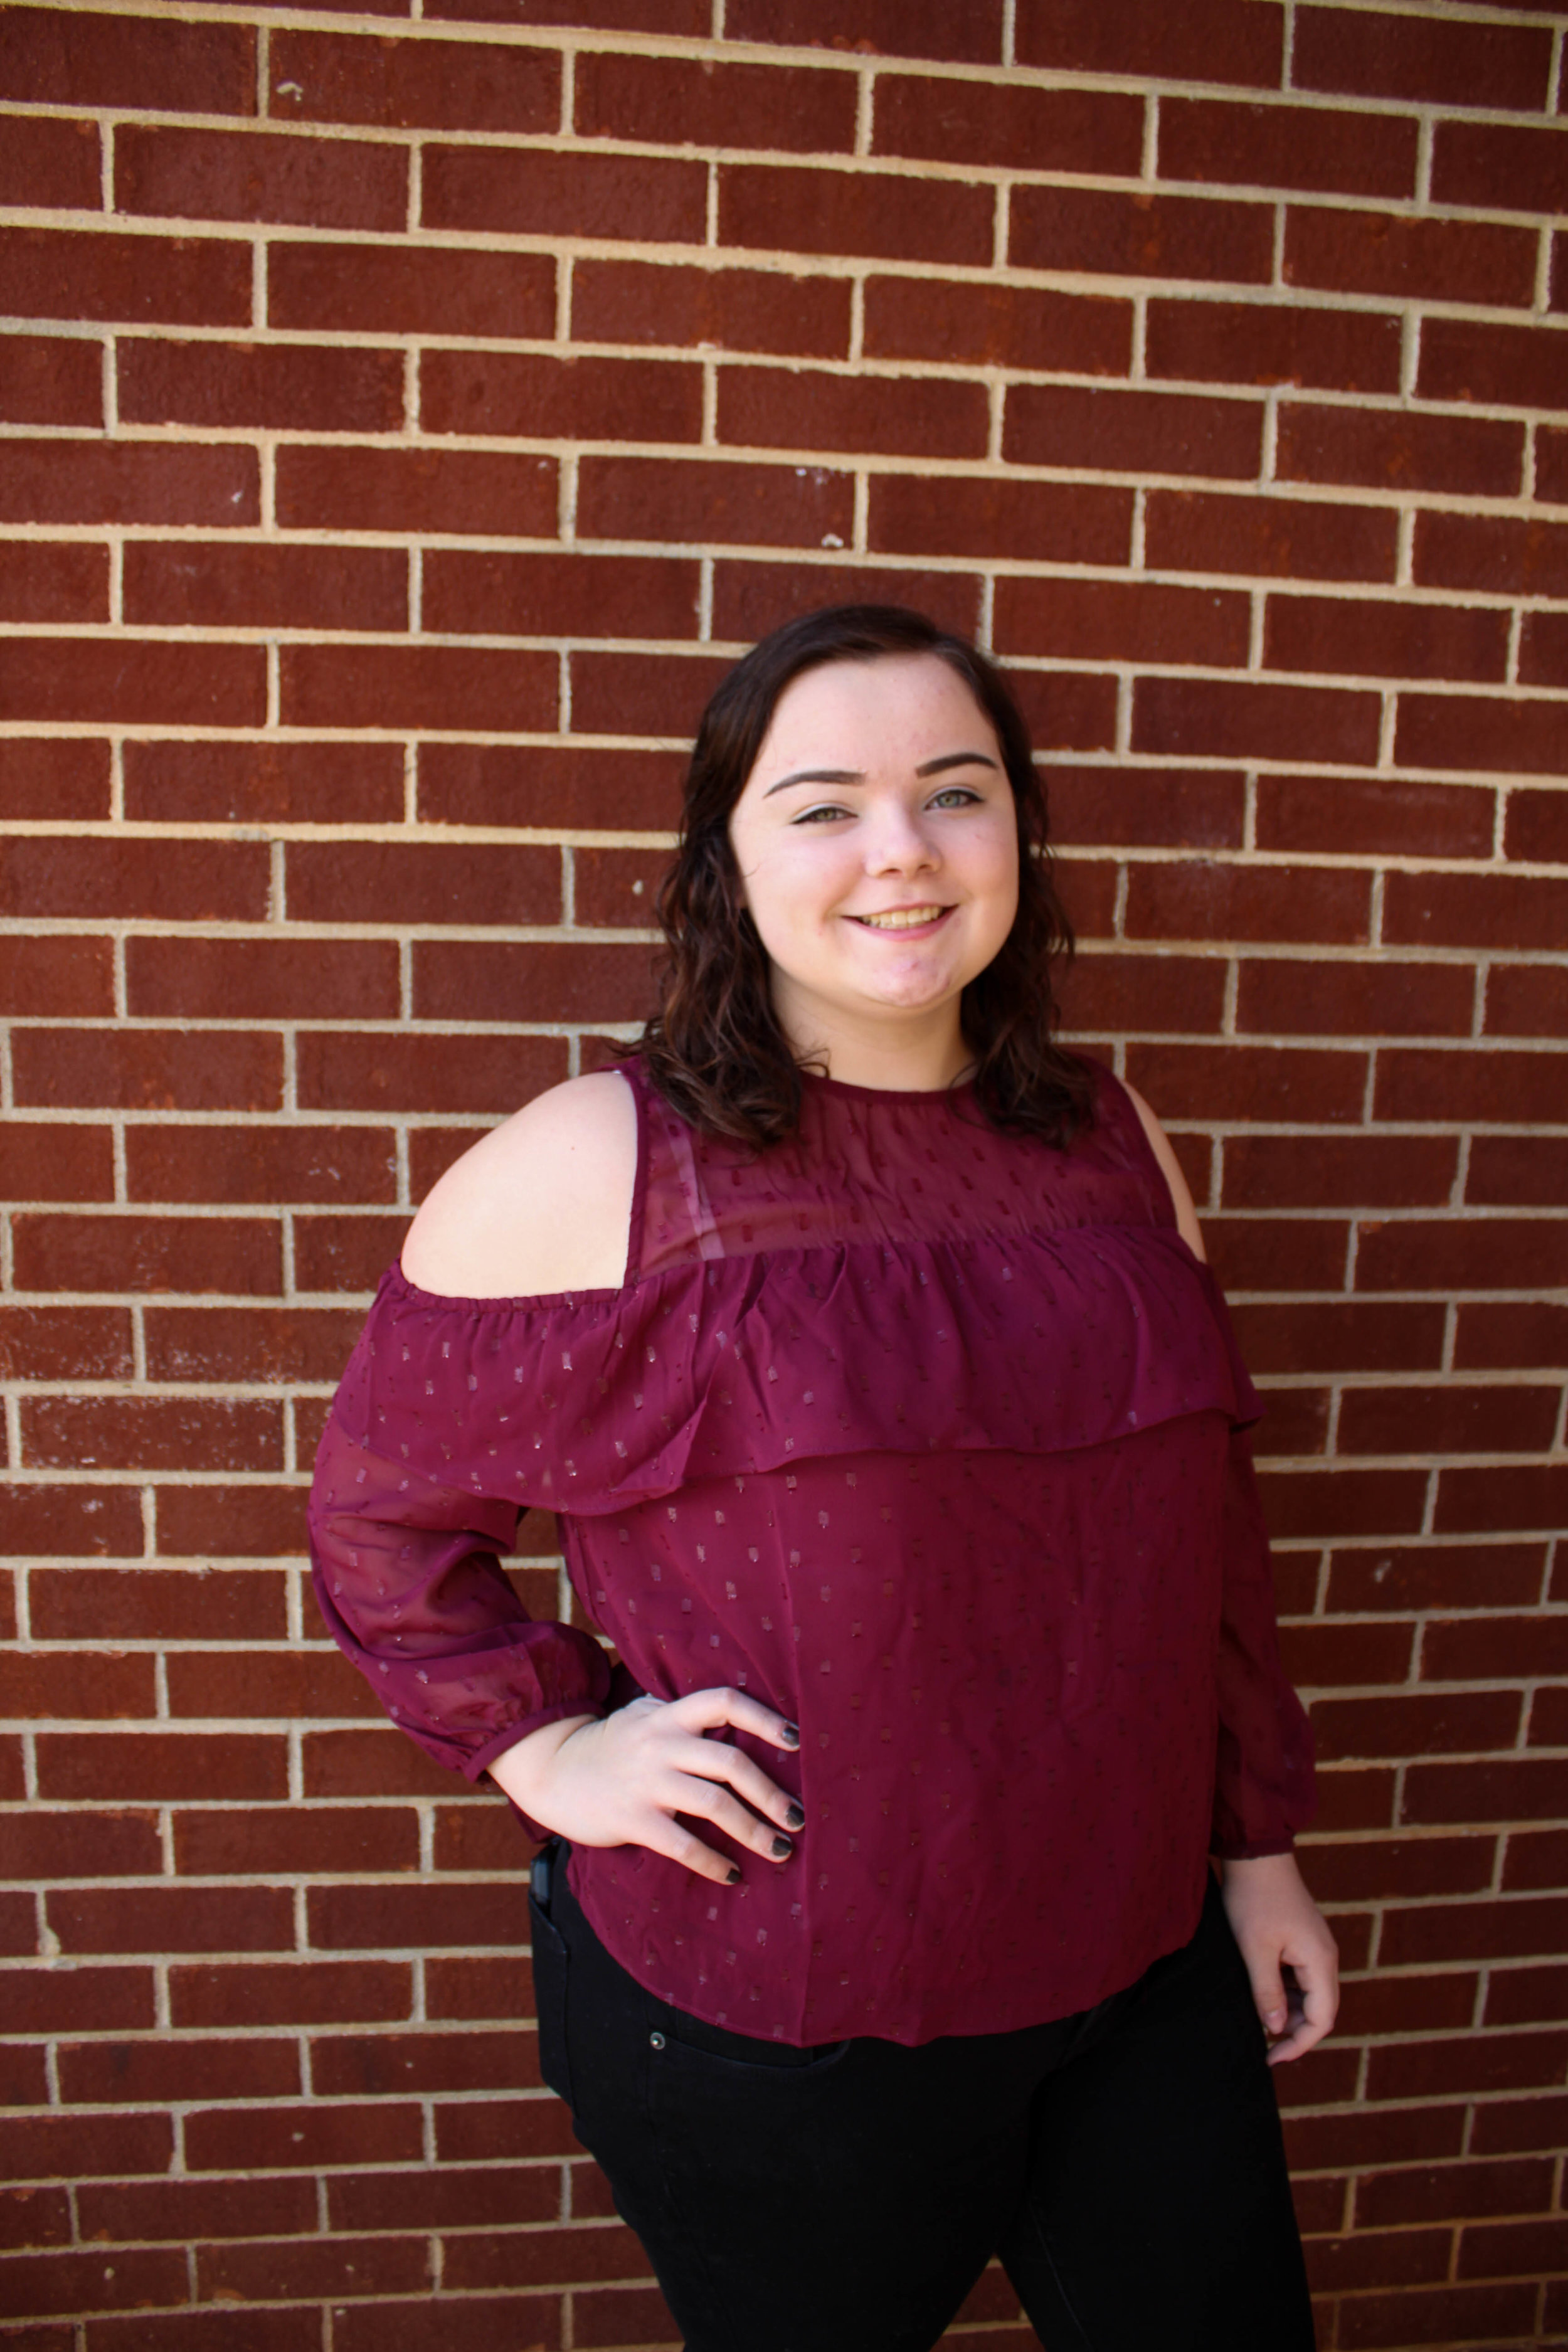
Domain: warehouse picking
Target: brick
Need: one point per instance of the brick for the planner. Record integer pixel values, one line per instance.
(409, 490)
(50, 380)
(679, 103)
(1394, 253)
(1113, 234)
(260, 176)
(1506, 2248)
(574, 399)
(1552, 462)
(116, 681)
(1451, 2191)
(152, 1434)
(232, 1521)
(1040, 522)
(1476, 1501)
(432, 1151)
(1282, 146)
(1177, 808)
(44, 1844)
(294, 386)
(724, 502)
(300, 2138)
(354, 1918)
(451, 2197)
(341, 1070)
(86, 2282)
(617, 887)
(52, 1343)
(477, 2323)
(59, 777)
(1506, 1171)
(160, 1919)
(1439, 60)
(51, 161)
(641, 694)
(241, 1996)
(146, 1253)
(151, 1766)
(1274, 538)
(63, 975)
(1507, 1087)
(1403, 2004)
(1527, 1997)
(127, 482)
(768, 408)
(1492, 1930)
(1449, 1420)
(44, 1685)
(1500, 910)
(1387, 816)
(1215, 718)
(51, 58)
(377, 1762)
(1365, 2136)
(473, 783)
(751, 597)
(1535, 1859)
(1504, 2126)
(43, 1161)
(47, 273)
(1220, 40)
(242, 1163)
(596, 984)
(729, 310)
(1201, 899)
(471, 690)
(1006, 124)
(887, 217)
(1258, 343)
(64, 2000)
(1396, 449)
(1491, 551)
(1379, 2258)
(1271, 1253)
(1502, 1335)
(1247, 1082)
(148, 1069)
(1352, 1335)
(1521, 367)
(1105, 620)
(1280, 996)
(143, 1603)
(252, 978)
(1270, 1171)
(483, 2131)
(320, 2266)
(388, 882)
(289, 1840)
(346, 1253)
(282, 1685)
(1401, 1725)
(195, 2208)
(408, 84)
(639, 2315)
(1484, 164)
(1002, 326)
(536, 2257)
(1464, 1650)
(242, 2067)
(338, 784)
(70, 1520)
(1543, 649)
(1460, 1253)
(376, 2065)
(1164, 993)
(401, 290)
(44, 579)
(1131, 432)
(63, 2147)
(1337, 1657)
(541, 191)
(1346, 1502)
(1385, 639)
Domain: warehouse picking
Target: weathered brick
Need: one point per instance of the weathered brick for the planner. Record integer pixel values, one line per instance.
(1510, 911)
(543, 192)
(1470, 1501)
(127, 482)
(469, 690)
(1005, 326)
(1415, 56)
(908, 28)
(246, 782)
(1457, 1253)
(244, 1163)
(51, 161)
(1509, 1333)
(1491, 551)
(143, 1603)
(472, 783)
(52, 1343)
(53, 57)
(116, 681)
(66, 274)
(1435, 1575)
(1337, 1171)
(1142, 236)
(1277, 537)
(404, 289)
(1509, 1088)
(889, 217)
(1042, 522)
(195, 2208)
(406, 491)
(146, 1253)
(1250, 1082)
(407, 85)
(1519, 367)
(262, 979)
(1264, 343)
(62, 777)
(731, 310)
(1000, 122)
(152, 1434)
(1142, 432)
(345, 1070)
(1178, 808)
(766, 408)
(1395, 253)
(1221, 721)
(1310, 147)
(1385, 638)
(260, 176)
(299, 386)
(59, 581)
(1218, 41)
(726, 501)
(50, 380)
(1507, 1170)
(576, 399)
(1387, 448)
(149, 1069)
(679, 103)
(295, 2138)
(551, 983)
(1343, 816)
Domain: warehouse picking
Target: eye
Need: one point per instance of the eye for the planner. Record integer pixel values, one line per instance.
(955, 796)
(824, 811)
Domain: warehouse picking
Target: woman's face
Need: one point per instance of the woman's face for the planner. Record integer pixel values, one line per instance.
(877, 846)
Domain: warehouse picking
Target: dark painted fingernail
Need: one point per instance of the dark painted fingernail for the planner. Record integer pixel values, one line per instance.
(781, 1849)
(733, 1877)
(796, 1818)
(792, 1735)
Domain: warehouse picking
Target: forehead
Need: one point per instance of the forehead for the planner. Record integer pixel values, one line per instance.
(887, 704)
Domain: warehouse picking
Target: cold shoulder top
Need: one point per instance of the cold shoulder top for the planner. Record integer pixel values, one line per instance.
(933, 1439)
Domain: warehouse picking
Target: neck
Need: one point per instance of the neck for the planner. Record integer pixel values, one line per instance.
(922, 1054)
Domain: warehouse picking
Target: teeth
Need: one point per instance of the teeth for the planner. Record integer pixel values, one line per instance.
(905, 919)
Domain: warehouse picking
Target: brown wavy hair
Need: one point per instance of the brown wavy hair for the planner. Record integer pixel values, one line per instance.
(714, 1048)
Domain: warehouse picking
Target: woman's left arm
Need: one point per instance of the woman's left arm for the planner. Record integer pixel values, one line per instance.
(1274, 1921)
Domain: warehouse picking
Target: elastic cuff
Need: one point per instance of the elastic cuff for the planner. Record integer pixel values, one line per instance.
(476, 1766)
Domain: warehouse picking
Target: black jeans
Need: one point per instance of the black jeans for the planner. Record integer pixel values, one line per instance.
(1126, 2164)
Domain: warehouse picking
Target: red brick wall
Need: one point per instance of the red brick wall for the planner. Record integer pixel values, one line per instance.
(406, 424)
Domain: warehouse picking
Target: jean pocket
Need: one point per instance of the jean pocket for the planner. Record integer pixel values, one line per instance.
(551, 1971)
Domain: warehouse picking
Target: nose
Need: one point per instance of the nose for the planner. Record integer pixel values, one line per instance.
(896, 841)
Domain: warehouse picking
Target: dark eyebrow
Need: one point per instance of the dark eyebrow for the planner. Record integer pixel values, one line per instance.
(856, 775)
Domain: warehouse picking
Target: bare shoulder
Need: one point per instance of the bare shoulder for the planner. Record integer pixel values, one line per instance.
(539, 1206)
(1171, 1168)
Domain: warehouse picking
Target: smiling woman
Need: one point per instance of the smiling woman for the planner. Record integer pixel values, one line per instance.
(860, 1335)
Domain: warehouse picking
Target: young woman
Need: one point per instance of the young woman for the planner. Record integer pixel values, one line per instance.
(862, 1338)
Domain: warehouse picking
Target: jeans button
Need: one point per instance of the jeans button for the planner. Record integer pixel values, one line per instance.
(655, 2041)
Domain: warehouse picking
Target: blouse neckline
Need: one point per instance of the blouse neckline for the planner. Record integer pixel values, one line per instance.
(890, 1094)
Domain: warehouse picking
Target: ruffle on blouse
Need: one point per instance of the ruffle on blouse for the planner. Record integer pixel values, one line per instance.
(587, 1404)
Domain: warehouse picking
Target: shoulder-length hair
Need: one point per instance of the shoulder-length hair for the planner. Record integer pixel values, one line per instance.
(714, 1048)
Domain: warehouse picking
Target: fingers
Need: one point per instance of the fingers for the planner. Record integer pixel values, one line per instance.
(664, 1836)
(706, 1710)
(710, 1800)
(1267, 1988)
(712, 1759)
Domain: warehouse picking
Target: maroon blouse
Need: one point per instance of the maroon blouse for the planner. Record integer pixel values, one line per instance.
(930, 1437)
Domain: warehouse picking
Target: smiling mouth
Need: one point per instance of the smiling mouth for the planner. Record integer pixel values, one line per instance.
(902, 919)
